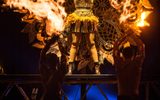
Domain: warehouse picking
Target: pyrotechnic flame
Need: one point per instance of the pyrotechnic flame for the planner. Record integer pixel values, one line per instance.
(52, 11)
(124, 7)
(142, 22)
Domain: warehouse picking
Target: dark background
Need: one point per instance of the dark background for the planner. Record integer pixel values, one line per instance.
(18, 56)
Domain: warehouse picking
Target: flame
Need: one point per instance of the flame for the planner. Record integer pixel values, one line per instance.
(52, 11)
(124, 7)
(142, 22)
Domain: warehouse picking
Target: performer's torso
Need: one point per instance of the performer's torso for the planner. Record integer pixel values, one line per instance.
(83, 7)
(83, 4)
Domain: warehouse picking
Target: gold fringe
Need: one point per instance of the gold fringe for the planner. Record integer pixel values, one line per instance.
(81, 23)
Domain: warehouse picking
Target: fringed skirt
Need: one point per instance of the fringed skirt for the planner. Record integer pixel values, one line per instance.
(81, 22)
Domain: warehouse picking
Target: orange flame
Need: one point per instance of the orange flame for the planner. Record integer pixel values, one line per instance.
(50, 10)
(124, 7)
(142, 22)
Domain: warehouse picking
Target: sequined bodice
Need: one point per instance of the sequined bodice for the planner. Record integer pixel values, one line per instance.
(83, 4)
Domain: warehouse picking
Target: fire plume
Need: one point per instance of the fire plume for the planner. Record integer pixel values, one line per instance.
(124, 7)
(52, 11)
(130, 8)
(142, 22)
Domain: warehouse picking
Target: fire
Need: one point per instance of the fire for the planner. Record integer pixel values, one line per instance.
(142, 22)
(124, 7)
(52, 11)
(127, 10)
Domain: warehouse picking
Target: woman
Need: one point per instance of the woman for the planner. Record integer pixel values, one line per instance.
(82, 22)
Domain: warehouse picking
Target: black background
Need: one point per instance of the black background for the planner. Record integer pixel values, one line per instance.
(18, 56)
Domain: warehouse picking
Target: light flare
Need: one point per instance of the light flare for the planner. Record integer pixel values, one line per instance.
(142, 22)
(49, 10)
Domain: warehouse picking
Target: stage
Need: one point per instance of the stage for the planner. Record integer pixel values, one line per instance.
(86, 81)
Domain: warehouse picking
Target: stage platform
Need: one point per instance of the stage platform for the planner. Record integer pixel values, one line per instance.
(69, 79)
(16, 80)
(85, 80)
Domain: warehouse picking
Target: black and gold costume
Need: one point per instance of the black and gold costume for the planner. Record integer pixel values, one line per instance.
(82, 21)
